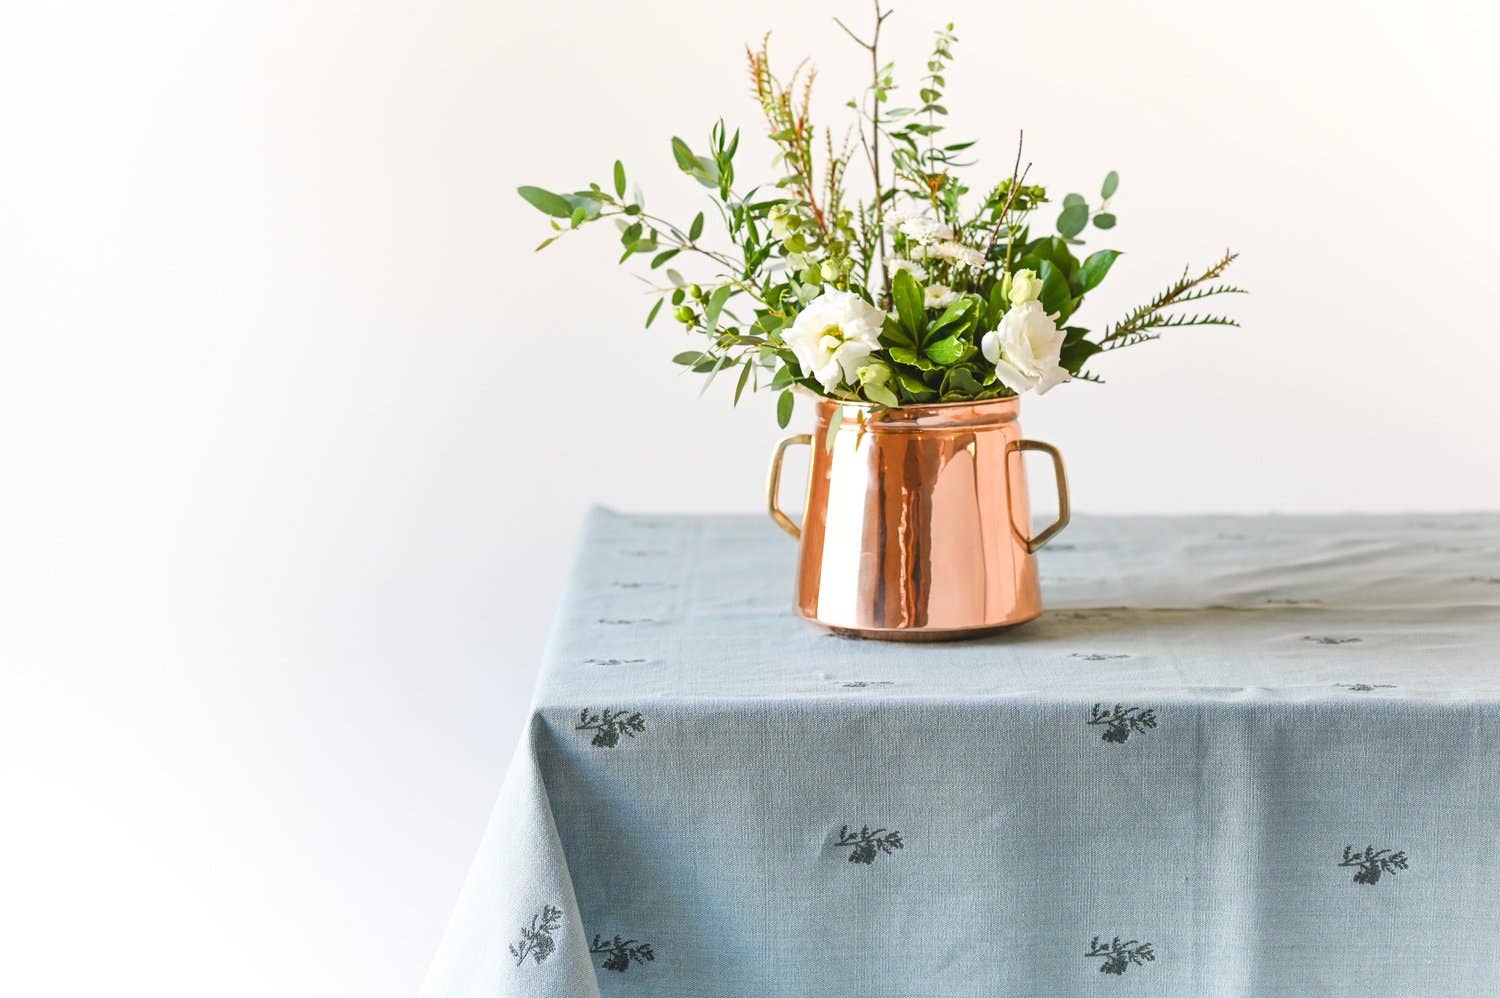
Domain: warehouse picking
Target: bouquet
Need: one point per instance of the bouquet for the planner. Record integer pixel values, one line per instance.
(921, 290)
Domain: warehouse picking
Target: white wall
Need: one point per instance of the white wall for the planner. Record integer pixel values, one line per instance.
(295, 430)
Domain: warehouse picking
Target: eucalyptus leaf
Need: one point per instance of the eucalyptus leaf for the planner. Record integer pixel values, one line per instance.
(785, 402)
(1111, 184)
(1073, 219)
(716, 305)
(619, 178)
(546, 202)
(696, 229)
(686, 161)
(1104, 220)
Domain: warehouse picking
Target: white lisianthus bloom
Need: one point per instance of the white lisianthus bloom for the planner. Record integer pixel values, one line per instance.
(940, 296)
(911, 267)
(1026, 349)
(1025, 286)
(833, 336)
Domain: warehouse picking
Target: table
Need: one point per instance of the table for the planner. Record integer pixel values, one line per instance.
(1237, 756)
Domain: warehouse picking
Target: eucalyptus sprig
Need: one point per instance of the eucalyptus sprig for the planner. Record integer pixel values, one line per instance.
(908, 292)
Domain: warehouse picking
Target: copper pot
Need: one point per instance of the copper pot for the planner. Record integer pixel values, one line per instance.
(916, 525)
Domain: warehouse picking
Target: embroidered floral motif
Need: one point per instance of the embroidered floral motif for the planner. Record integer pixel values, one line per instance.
(614, 661)
(1122, 721)
(1118, 956)
(1097, 656)
(1373, 863)
(620, 953)
(609, 725)
(1365, 687)
(867, 844)
(1325, 640)
(536, 941)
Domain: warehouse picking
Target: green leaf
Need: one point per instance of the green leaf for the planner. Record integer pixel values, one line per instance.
(546, 202)
(960, 379)
(716, 305)
(1104, 220)
(915, 387)
(1073, 219)
(689, 358)
(663, 257)
(834, 422)
(686, 161)
(1073, 199)
(909, 357)
(1074, 355)
(784, 405)
(651, 315)
(739, 389)
(909, 300)
(891, 334)
(1096, 266)
(945, 351)
(882, 395)
(1111, 184)
(1056, 296)
(952, 313)
(696, 229)
(619, 178)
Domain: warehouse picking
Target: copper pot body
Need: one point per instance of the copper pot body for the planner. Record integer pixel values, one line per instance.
(916, 525)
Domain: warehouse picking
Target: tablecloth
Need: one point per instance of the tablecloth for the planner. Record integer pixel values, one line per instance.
(1236, 756)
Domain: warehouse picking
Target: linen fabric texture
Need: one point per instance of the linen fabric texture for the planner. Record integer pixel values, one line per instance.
(1236, 756)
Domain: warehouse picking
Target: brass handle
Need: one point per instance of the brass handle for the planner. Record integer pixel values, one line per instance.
(1035, 544)
(773, 484)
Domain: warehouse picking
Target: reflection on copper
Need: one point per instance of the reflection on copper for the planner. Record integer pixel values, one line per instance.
(916, 525)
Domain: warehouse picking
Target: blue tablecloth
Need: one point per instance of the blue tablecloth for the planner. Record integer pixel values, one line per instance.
(1237, 756)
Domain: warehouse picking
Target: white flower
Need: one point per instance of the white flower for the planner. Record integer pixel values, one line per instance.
(940, 296)
(1025, 349)
(833, 336)
(924, 230)
(896, 217)
(911, 267)
(964, 256)
(1025, 286)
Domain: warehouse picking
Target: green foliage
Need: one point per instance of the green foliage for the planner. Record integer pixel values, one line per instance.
(946, 266)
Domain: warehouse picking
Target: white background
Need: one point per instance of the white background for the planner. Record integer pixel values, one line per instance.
(296, 431)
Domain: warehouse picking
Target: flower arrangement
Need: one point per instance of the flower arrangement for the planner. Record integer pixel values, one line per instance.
(914, 293)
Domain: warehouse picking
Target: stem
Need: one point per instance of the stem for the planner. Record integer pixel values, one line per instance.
(873, 149)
